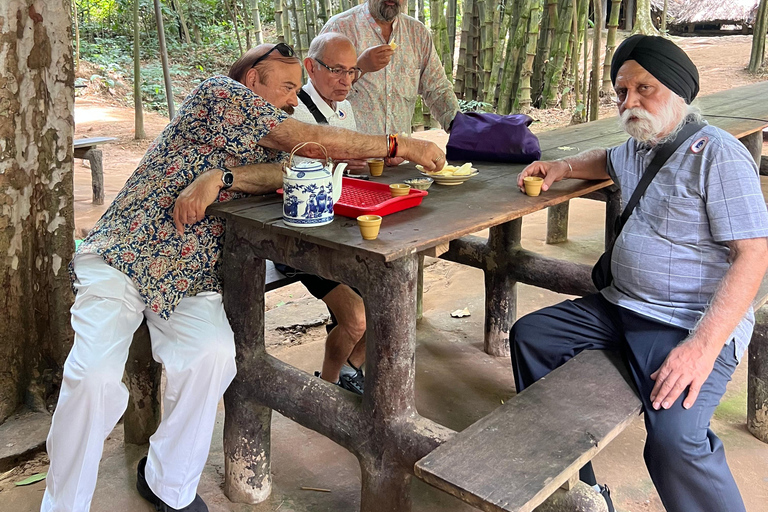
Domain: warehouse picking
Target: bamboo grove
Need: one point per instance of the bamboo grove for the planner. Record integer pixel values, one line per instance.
(503, 55)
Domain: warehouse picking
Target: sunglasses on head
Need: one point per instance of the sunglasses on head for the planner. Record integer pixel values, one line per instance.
(282, 48)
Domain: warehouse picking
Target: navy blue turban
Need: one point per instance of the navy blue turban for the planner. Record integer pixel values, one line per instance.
(663, 59)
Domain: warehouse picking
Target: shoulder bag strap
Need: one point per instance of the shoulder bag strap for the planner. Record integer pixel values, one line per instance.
(307, 100)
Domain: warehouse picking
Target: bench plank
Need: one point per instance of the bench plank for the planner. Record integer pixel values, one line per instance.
(516, 457)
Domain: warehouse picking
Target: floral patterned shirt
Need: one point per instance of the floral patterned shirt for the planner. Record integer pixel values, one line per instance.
(384, 101)
(219, 124)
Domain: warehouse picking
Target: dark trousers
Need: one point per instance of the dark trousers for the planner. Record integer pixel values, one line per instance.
(684, 457)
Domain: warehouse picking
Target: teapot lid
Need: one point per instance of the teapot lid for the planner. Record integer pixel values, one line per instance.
(307, 166)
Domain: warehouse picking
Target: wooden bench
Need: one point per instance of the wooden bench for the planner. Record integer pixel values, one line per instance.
(88, 149)
(143, 374)
(520, 454)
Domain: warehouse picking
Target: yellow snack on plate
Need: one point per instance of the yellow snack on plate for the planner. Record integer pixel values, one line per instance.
(464, 170)
(451, 170)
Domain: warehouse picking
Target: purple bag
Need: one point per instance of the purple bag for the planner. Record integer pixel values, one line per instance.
(492, 138)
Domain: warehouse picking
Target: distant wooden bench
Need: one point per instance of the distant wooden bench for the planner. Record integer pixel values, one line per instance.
(520, 454)
(88, 149)
(143, 374)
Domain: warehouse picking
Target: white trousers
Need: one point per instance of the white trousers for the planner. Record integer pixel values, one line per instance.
(196, 347)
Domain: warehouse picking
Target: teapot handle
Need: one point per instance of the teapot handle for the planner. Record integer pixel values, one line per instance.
(301, 145)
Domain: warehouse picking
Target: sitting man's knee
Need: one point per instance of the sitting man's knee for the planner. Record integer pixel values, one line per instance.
(354, 321)
(524, 330)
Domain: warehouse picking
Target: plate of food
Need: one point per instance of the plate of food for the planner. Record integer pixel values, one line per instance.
(451, 174)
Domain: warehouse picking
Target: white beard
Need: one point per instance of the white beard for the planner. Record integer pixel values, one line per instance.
(649, 128)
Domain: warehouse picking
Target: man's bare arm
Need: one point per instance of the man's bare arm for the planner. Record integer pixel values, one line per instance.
(346, 144)
(692, 361)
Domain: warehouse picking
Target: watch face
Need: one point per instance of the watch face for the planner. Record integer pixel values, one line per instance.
(228, 179)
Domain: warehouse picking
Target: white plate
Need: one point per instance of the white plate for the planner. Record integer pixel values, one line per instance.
(450, 180)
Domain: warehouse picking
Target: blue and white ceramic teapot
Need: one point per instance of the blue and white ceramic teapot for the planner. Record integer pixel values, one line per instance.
(310, 190)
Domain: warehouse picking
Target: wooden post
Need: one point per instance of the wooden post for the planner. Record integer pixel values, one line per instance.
(142, 378)
(420, 289)
(757, 379)
(247, 477)
(557, 223)
(501, 288)
(94, 157)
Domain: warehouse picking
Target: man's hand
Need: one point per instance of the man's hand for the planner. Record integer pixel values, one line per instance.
(193, 200)
(423, 152)
(551, 171)
(394, 161)
(375, 58)
(354, 165)
(688, 364)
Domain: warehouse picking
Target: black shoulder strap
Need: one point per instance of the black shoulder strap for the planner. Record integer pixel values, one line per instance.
(661, 157)
(307, 100)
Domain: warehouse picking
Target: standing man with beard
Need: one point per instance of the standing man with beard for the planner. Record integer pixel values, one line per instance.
(399, 62)
(154, 254)
(686, 266)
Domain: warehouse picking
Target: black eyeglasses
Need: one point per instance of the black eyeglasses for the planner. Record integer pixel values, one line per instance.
(353, 73)
(282, 48)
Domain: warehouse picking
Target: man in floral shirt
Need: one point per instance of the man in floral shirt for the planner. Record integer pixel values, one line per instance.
(385, 96)
(154, 255)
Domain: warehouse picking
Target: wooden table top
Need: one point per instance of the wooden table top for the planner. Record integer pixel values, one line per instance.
(490, 198)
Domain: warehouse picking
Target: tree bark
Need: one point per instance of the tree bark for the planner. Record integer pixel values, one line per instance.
(138, 110)
(77, 36)
(643, 20)
(37, 217)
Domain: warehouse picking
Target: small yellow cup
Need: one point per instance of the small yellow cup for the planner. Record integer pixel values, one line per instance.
(376, 166)
(532, 185)
(369, 226)
(399, 189)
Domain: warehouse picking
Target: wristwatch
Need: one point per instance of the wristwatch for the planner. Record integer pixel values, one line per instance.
(227, 178)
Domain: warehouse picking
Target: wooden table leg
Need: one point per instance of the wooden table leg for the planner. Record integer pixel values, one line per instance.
(754, 143)
(247, 477)
(757, 379)
(94, 156)
(420, 289)
(389, 291)
(557, 223)
(500, 287)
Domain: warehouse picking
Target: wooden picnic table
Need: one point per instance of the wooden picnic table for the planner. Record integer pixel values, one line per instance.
(383, 428)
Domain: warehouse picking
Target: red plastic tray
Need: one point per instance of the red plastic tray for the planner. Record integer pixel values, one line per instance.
(360, 197)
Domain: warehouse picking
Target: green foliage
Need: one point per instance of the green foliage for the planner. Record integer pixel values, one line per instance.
(474, 106)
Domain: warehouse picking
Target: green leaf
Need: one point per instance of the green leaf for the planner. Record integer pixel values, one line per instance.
(281, 303)
(32, 479)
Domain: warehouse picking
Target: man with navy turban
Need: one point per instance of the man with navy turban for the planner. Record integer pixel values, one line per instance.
(685, 268)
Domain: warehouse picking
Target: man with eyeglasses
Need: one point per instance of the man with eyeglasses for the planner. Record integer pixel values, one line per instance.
(393, 75)
(154, 255)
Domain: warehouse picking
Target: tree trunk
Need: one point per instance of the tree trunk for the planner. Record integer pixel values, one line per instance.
(176, 5)
(757, 55)
(164, 60)
(451, 21)
(629, 15)
(643, 20)
(594, 87)
(461, 67)
(256, 16)
(77, 36)
(138, 111)
(37, 218)
(557, 56)
(233, 17)
(575, 54)
(610, 47)
(498, 54)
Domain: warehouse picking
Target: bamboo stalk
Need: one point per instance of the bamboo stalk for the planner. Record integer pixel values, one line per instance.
(594, 87)
(301, 22)
(309, 9)
(522, 40)
(451, 22)
(177, 7)
(524, 101)
(461, 67)
(138, 109)
(279, 21)
(610, 47)
(557, 57)
(498, 54)
(575, 55)
(757, 54)
(256, 15)
(293, 22)
(234, 24)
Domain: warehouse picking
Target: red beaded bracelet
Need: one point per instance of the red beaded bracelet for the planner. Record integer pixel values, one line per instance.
(392, 146)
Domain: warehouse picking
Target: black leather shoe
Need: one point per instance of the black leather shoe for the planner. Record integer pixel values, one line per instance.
(197, 505)
(605, 492)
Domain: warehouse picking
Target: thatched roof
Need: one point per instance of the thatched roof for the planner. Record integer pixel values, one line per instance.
(708, 11)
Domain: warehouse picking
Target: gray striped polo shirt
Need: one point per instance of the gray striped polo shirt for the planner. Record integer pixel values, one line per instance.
(672, 253)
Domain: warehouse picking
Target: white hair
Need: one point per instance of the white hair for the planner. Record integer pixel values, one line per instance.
(647, 128)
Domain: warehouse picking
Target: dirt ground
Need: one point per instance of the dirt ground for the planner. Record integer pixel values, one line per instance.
(721, 62)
